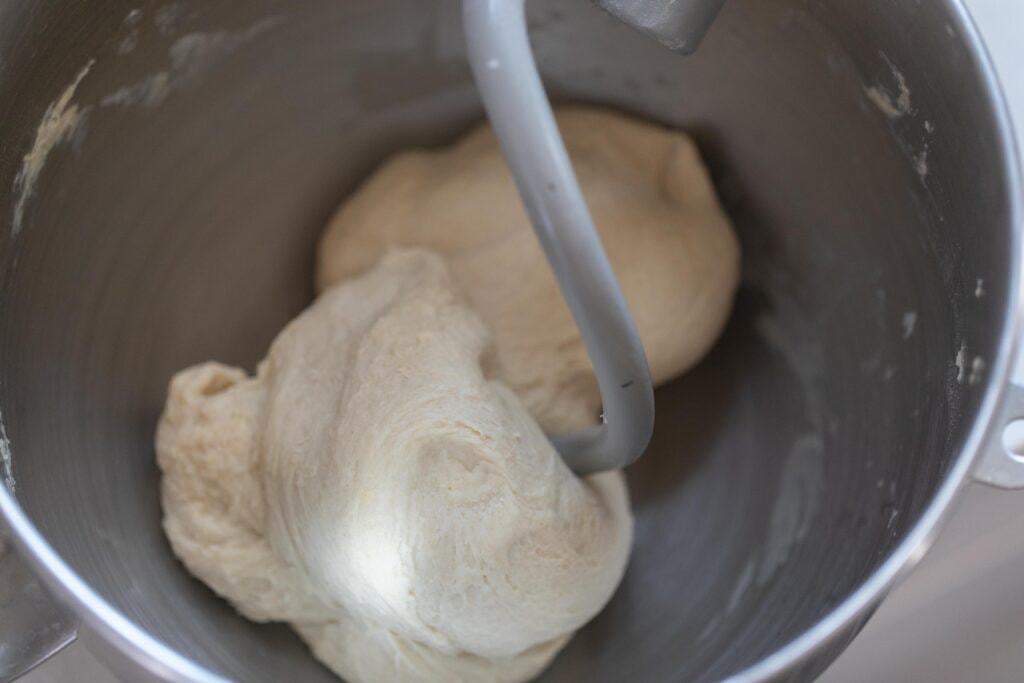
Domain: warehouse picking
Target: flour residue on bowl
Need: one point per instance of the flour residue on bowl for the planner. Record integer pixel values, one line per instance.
(167, 18)
(796, 504)
(131, 38)
(744, 581)
(977, 371)
(189, 55)
(788, 331)
(6, 463)
(921, 163)
(961, 364)
(782, 332)
(148, 92)
(909, 323)
(892, 105)
(193, 51)
(59, 124)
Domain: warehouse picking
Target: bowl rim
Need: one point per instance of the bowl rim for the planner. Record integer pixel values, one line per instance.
(152, 655)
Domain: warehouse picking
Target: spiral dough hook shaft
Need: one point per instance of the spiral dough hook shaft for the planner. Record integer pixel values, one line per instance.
(519, 111)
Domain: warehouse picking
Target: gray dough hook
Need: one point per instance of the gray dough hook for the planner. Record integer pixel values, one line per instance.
(521, 116)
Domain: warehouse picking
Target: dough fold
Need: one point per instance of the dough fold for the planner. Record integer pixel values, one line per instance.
(374, 488)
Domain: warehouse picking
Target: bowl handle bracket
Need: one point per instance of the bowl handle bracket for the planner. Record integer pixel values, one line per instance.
(1001, 462)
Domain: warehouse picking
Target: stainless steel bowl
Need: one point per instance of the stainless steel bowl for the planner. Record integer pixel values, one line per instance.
(167, 167)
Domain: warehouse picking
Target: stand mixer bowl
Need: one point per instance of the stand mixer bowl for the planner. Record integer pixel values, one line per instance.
(169, 166)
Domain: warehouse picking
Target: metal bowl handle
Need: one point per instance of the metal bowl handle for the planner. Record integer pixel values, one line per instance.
(998, 465)
(33, 627)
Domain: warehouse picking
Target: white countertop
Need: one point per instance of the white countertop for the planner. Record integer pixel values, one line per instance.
(960, 616)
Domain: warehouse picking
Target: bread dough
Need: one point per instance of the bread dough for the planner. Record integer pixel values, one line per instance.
(382, 483)
(372, 487)
(669, 242)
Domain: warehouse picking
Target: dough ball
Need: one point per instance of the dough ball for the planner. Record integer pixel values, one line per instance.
(671, 245)
(373, 486)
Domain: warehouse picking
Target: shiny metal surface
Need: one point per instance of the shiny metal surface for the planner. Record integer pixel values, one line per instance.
(860, 148)
(679, 25)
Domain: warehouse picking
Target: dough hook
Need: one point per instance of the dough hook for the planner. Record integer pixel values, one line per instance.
(520, 114)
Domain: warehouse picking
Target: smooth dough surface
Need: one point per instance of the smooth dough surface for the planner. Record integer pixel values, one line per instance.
(372, 487)
(670, 244)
